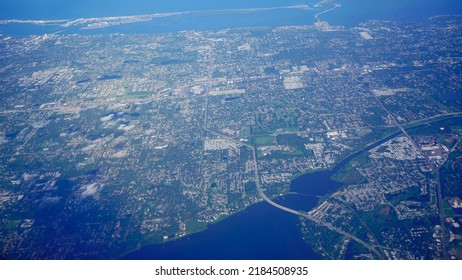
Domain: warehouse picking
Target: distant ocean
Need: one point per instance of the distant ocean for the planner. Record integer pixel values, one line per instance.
(350, 14)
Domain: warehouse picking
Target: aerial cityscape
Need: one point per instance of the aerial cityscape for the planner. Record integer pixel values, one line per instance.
(112, 141)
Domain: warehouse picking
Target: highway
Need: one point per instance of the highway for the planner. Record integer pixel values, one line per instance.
(439, 192)
(436, 171)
